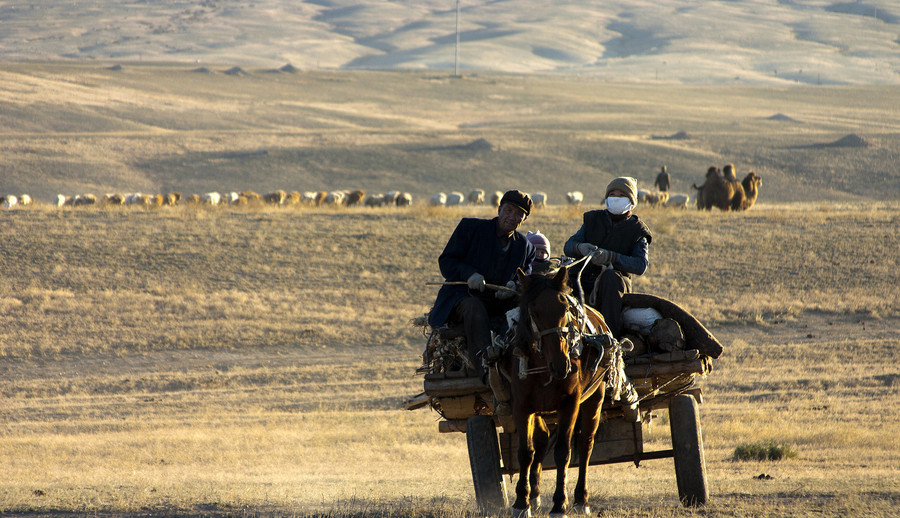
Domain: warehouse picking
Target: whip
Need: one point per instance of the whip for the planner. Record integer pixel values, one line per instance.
(462, 283)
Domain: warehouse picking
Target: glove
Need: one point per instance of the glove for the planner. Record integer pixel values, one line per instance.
(476, 282)
(585, 249)
(601, 257)
(505, 294)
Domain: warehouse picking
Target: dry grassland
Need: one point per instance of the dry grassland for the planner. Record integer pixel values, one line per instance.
(253, 363)
(81, 128)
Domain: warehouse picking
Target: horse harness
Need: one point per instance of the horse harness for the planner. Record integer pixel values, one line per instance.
(579, 332)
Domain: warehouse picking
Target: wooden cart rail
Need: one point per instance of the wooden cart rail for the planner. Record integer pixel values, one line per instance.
(656, 383)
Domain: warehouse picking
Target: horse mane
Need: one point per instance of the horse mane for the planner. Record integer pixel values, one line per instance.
(537, 282)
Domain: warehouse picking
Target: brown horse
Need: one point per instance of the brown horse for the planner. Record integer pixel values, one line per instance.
(557, 380)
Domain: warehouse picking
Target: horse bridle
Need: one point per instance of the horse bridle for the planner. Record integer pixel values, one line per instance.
(574, 312)
(576, 323)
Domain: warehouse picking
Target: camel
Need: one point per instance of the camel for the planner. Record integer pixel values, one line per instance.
(716, 191)
(751, 185)
(728, 172)
(738, 195)
(703, 194)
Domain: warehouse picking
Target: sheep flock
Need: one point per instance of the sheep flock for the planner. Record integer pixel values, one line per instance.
(216, 199)
(721, 190)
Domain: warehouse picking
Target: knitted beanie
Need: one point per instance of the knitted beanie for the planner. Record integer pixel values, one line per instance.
(538, 240)
(626, 184)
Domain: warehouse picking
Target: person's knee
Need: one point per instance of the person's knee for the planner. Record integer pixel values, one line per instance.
(612, 280)
(471, 307)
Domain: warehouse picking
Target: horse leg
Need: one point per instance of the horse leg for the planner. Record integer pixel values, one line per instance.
(525, 426)
(589, 418)
(567, 413)
(541, 438)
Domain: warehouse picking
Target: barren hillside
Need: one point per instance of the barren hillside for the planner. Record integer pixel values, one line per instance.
(749, 42)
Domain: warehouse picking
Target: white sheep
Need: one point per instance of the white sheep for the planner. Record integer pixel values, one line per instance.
(63, 200)
(135, 198)
(455, 198)
(574, 197)
(84, 199)
(9, 201)
(334, 198)
(308, 197)
(404, 200)
(112, 198)
(275, 197)
(438, 200)
(476, 197)
(25, 199)
(211, 198)
(653, 199)
(374, 200)
(495, 198)
(642, 195)
(678, 201)
(539, 199)
(657, 199)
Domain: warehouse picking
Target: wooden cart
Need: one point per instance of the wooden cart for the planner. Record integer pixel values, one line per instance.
(465, 405)
(664, 382)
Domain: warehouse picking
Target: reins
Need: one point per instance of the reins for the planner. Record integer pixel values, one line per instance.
(578, 277)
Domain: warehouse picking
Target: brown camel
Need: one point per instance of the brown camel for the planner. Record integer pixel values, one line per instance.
(751, 185)
(716, 191)
(705, 191)
(734, 185)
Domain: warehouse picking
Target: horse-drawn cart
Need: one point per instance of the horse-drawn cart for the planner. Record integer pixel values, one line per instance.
(663, 381)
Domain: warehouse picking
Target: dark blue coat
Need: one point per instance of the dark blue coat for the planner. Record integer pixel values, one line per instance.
(472, 248)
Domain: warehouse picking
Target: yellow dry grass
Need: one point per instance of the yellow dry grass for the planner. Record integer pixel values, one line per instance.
(253, 361)
(233, 362)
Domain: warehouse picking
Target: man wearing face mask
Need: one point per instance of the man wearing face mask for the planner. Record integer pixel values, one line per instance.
(483, 251)
(616, 242)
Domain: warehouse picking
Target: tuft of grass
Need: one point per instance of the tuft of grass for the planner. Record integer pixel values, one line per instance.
(764, 450)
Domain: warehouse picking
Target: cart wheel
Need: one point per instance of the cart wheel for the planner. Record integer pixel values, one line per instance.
(687, 443)
(484, 457)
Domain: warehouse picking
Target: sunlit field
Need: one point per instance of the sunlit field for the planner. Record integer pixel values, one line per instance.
(198, 362)
(254, 361)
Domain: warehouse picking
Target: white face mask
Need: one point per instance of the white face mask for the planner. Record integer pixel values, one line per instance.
(618, 205)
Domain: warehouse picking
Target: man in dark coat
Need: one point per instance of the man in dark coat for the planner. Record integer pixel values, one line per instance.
(616, 242)
(662, 180)
(479, 252)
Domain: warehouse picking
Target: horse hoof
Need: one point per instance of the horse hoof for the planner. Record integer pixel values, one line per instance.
(521, 513)
(581, 509)
(536, 504)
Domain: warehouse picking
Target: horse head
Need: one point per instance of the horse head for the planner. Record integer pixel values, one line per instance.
(546, 322)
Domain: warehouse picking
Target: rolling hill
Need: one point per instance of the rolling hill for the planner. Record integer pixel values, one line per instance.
(669, 41)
